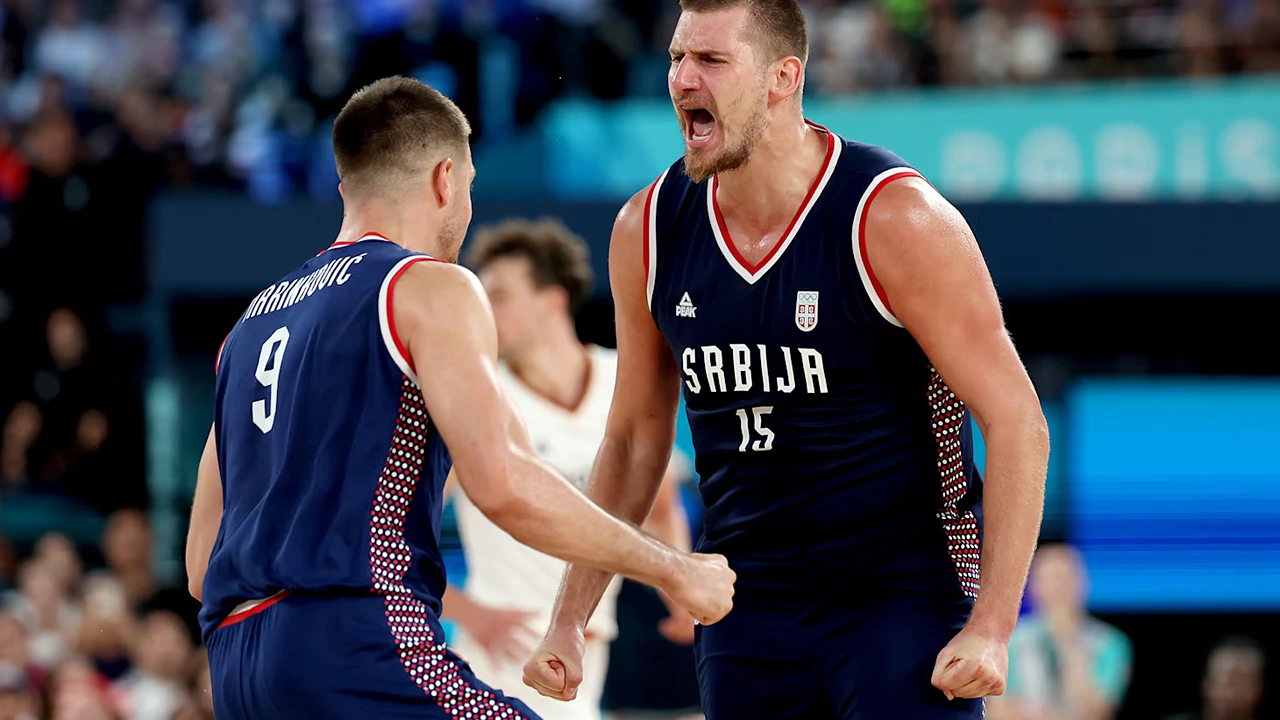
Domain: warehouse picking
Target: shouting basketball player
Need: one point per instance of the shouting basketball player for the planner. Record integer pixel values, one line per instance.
(344, 394)
(833, 327)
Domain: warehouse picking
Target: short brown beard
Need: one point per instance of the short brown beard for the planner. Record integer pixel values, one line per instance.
(449, 242)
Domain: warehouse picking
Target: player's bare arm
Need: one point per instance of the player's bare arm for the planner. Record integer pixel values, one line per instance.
(669, 523)
(641, 429)
(937, 284)
(443, 317)
(206, 516)
(637, 444)
(504, 633)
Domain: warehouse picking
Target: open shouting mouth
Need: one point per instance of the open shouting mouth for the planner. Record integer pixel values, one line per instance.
(699, 125)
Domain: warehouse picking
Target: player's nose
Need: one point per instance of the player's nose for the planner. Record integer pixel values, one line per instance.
(684, 77)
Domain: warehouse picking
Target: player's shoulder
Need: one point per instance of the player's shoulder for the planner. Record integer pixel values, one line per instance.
(868, 162)
(433, 292)
(429, 275)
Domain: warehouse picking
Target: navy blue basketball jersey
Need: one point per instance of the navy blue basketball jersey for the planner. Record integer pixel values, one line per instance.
(832, 456)
(332, 473)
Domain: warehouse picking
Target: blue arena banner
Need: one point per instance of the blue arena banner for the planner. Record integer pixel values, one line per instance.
(1215, 139)
(1175, 492)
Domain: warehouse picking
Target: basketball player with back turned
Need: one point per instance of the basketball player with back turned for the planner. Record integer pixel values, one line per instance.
(344, 395)
(833, 327)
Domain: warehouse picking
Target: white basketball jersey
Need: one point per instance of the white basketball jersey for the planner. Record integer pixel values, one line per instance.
(501, 572)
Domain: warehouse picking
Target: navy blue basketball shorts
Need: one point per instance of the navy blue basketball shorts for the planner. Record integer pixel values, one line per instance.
(829, 662)
(346, 657)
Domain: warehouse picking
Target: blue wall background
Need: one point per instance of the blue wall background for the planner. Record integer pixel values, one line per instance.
(1213, 139)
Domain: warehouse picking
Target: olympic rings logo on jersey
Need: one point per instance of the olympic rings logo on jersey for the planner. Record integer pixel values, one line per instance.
(807, 310)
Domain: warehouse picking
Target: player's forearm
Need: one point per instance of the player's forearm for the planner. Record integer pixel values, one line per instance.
(625, 482)
(548, 514)
(1013, 504)
(667, 523)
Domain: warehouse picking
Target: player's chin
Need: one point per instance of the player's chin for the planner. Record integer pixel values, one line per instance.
(699, 164)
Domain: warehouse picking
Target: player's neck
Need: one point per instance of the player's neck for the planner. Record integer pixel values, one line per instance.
(767, 190)
(557, 368)
(412, 233)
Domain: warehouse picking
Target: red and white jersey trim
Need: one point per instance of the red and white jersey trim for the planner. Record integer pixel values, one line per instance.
(217, 359)
(869, 282)
(346, 243)
(387, 318)
(250, 608)
(651, 236)
(835, 146)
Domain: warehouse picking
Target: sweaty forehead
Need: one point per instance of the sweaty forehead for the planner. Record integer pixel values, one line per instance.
(716, 32)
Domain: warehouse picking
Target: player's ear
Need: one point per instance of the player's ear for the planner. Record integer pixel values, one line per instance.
(785, 80)
(440, 178)
(340, 194)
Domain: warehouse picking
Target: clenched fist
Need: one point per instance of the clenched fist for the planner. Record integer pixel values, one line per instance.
(972, 665)
(703, 585)
(555, 670)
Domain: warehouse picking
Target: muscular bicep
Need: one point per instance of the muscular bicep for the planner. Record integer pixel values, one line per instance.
(648, 384)
(448, 329)
(934, 278)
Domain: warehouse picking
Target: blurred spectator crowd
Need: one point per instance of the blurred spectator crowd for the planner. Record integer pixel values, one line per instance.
(240, 92)
(103, 102)
(67, 427)
(103, 643)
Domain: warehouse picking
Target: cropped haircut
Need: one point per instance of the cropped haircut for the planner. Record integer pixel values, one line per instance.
(395, 126)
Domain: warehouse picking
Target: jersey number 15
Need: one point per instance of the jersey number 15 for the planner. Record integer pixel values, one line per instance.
(765, 441)
(272, 353)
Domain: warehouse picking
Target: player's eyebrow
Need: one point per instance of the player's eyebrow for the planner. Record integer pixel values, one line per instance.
(700, 53)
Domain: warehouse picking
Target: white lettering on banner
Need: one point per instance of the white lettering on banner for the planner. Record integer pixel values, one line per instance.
(1249, 148)
(974, 165)
(1126, 158)
(1049, 165)
(1191, 161)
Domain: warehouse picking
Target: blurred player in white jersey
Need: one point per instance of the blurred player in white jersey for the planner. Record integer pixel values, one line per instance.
(536, 275)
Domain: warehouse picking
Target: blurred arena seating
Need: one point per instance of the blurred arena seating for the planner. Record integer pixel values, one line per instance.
(161, 161)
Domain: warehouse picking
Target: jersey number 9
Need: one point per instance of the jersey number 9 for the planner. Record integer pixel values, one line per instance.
(273, 353)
